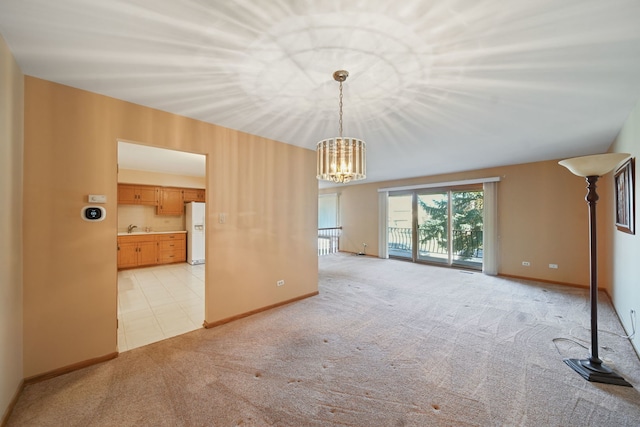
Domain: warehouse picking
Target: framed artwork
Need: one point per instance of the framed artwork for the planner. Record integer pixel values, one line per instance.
(625, 197)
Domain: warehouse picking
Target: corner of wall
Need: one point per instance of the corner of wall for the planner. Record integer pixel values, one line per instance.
(625, 248)
(11, 279)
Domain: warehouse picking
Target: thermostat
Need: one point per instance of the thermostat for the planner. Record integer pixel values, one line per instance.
(93, 213)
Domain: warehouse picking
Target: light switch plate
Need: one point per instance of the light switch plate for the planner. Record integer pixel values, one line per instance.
(97, 198)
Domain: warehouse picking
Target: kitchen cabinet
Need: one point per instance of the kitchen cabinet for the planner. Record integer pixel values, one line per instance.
(172, 248)
(137, 251)
(170, 201)
(193, 195)
(129, 194)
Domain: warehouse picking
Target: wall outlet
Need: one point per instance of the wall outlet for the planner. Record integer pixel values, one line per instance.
(280, 283)
(526, 263)
(553, 265)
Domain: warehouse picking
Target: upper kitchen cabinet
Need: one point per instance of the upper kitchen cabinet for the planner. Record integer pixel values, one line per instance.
(129, 194)
(193, 195)
(170, 201)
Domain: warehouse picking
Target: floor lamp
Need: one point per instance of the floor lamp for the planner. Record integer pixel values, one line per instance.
(593, 167)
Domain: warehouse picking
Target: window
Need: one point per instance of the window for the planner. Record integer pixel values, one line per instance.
(437, 226)
(328, 210)
(451, 223)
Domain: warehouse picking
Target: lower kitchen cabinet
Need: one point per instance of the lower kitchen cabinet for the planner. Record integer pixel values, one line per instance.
(172, 247)
(127, 254)
(136, 251)
(151, 249)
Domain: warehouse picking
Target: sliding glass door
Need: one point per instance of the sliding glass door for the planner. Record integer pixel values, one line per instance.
(437, 226)
(400, 225)
(467, 228)
(432, 227)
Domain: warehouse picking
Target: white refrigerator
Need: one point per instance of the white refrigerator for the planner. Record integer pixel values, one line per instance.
(195, 232)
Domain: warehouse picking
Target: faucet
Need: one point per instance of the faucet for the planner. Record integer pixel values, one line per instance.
(131, 227)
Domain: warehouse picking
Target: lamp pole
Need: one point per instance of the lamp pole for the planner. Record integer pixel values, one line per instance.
(593, 369)
(592, 199)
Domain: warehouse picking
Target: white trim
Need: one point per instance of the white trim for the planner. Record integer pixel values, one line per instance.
(441, 184)
(383, 211)
(490, 226)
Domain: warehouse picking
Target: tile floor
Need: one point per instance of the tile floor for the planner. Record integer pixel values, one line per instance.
(156, 303)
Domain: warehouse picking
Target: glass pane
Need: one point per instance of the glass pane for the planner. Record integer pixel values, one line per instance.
(399, 226)
(433, 229)
(327, 210)
(467, 228)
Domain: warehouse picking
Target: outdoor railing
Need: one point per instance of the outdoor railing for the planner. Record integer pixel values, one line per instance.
(466, 243)
(328, 240)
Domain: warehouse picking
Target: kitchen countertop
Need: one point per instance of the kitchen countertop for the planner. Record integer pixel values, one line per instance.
(138, 233)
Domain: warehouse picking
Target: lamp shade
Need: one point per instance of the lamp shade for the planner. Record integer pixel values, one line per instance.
(341, 160)
(595, 165)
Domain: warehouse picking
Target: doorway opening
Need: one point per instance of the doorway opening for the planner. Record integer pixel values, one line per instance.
(437, 226)
(329, 229)
(160, 293)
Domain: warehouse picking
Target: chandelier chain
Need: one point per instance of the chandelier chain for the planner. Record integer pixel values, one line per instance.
(340, 120)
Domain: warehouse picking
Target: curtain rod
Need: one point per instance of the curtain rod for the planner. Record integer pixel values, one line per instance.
(441, 184)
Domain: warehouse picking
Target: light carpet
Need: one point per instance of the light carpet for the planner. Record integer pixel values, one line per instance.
(386, 343)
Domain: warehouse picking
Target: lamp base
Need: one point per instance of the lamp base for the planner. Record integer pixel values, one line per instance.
(596, 372)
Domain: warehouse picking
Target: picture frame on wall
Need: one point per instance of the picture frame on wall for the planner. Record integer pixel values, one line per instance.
(625, 197)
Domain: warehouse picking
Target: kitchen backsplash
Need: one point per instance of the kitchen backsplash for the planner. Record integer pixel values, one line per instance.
(145, 216)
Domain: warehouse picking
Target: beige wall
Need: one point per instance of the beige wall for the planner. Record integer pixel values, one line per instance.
(11, 152)
(163, 179)
(542, 218)
(266, 189)
(145, 216)
(626, 247)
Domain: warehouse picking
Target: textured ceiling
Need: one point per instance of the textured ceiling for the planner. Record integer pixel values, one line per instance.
(435, 86)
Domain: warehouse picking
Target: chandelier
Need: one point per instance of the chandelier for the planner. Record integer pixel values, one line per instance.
(341, 159)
